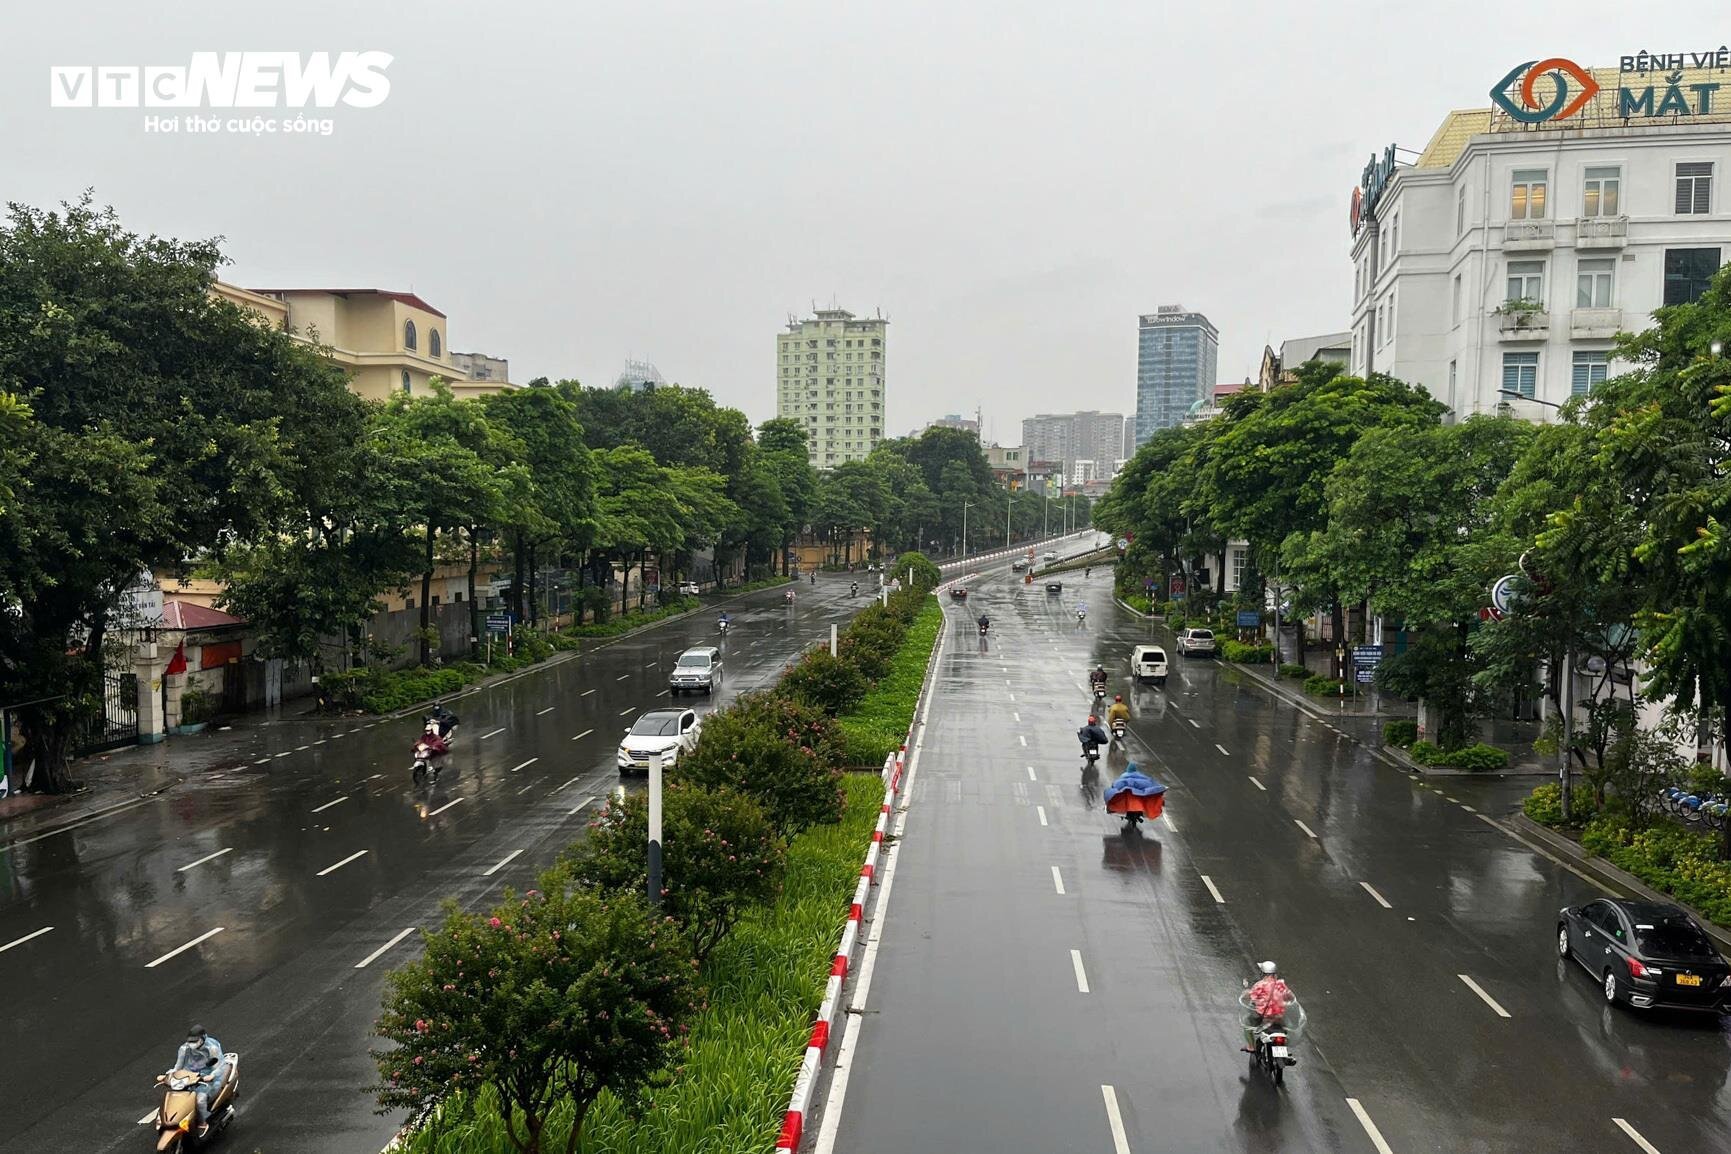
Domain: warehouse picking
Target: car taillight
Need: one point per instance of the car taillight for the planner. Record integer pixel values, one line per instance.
(1636, 969)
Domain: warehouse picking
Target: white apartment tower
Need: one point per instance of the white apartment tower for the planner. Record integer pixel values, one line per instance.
(830, 378)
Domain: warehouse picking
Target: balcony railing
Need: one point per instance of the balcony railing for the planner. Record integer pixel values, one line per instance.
(1525, 325)
(1527, 235)
(1595, 323)
(1602, 232)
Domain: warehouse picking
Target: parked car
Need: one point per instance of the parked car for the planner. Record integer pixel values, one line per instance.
(1148, 663)
(689, 589)
(1194, 641)
(698, 668)
(669, 732)
(1646, 954)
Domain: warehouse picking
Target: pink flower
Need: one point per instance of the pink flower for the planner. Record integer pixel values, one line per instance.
(494, 922)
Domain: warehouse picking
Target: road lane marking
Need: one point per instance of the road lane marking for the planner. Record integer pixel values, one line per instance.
(25, 938)
(1456, 800)
(1480, 991)
(581, 806)
(320, 741)
(1115, 1120)
(1031, 776)
(380, 952)
(582, 735)
(495, 733)
(1370, 1130)
(501, 864)
(1635, 1136)
(1468, 808)
(1196, 724)
(1011, 696)
(586, 693)
(339, 865)
(300, 749)
(285, 754)
(557, 788)
(526, 789)
(1081, 974)
(623, 677)
(1057, 880)
(1380, 900)
(262, 761)
(1041, 810)
(375, 777)
(1213, 890)
(1017, 716)
(328, 804)
(1167, 818)
(178, 950)
(627, 712)
(1221, 748)
(1259, 785)
(202, 860)
(545, 712)
(1308, 832)
(525, 765)
(150, 1117)
(652, 665)
(1023, 739)
(444, 807)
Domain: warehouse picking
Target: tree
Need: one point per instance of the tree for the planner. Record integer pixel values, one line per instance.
(150, 396)
(775, 750)
(556, 996)
(783, 449)
(720, 856)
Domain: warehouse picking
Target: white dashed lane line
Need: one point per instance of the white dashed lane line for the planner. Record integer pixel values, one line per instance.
(1194, 723)
(586, 693)
(1222, 749)
(1081, 974)
(525, 765)
(1635, 1137)
(545, 712)
(380, 952)
(443, 808)
(335, 866)
(178, 950)
(1041, 810)
(1308, 832)
(495, 733)
(1057, 880)
(582, 735)
(581, 806)
(1115, 1121)
(1213, 890)
(1259, 785)
(501, 864)
(25, 938)
(1031, 776)
(202, 860)
(1370, 1130)
(1380, 900)
(1480, 991)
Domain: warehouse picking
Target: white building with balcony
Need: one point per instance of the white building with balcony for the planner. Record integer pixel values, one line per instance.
(1498, 267)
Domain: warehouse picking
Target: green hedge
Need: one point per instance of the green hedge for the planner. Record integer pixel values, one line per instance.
(617, 625)
(1681, 862)
(1322, 686)
(1545, 806)
(1297, 672)
(1400, 734)
(1478, 756)
(879, 724)
(1247, 654)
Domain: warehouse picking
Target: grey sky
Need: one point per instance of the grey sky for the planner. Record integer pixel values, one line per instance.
(1011, 182)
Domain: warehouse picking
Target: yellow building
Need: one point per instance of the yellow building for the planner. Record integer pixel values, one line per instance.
(830, 378)
(389, 342)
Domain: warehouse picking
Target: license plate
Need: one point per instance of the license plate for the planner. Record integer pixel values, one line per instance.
(1688, 979)
(1278, 1051)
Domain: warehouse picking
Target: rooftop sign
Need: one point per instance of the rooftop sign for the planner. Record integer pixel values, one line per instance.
(1648, 86)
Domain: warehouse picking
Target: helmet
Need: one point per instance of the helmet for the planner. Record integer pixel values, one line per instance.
(1118, 697)
(1267, 968)
(1098, 668)
(1092, 720)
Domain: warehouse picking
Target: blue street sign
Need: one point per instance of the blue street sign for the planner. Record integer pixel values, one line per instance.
(1249, 619)
(1365, 675)
(498, 623)
(1367, 657)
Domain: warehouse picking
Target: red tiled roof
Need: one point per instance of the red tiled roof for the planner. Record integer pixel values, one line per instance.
(409, 299)
(190, 615)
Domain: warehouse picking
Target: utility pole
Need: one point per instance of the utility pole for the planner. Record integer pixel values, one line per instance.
(1566, 691)
(966, 505)
(655, 830)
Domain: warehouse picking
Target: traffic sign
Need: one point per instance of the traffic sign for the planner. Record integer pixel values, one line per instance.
(498, 623)
(1249, 619)
(1177, 587)
(1503, 592)
(1365, 656)
(1123, 544)
(1365, 676)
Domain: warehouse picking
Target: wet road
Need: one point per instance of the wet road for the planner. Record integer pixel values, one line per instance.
(1047, 982)
(299, 874)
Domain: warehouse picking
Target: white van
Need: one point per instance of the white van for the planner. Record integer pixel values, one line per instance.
(1148, 663)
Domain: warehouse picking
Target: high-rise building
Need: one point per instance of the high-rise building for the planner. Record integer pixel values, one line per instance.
(1090, 435)
(637, 376)
(956, 421)
(1177, 354)
(830, 378)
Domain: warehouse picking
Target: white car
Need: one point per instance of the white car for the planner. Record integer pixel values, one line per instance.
(689, 589)
(1049, 558)
(1194, 641)
(1148, 663)
(669, 732)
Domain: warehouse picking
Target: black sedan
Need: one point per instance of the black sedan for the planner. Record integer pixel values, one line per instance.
(957, 593)
(1054, 586)
(1646, 954)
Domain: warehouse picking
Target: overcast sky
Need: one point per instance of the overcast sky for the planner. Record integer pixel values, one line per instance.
(576, 183)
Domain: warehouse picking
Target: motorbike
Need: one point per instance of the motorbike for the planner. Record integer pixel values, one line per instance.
(853, 590)
(814, 578)
(1099, 696)
(429, 747)
(177, 1117)
(984, 625)
(722, 625)
(1271, 1040)
(1081, 617)
(1090, 748)
(1135, 796)
(1118, 728)
(788, 597)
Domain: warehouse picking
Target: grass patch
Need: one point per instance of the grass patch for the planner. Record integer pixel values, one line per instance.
(764, 984)
(614, 626)
(879, 724)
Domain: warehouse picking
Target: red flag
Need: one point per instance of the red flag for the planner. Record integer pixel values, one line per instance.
(177, 663)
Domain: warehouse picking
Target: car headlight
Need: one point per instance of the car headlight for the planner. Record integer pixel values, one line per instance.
(624, 752)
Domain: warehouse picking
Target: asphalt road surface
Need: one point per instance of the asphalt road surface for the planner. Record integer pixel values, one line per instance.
(1048, 982)
(301, 874)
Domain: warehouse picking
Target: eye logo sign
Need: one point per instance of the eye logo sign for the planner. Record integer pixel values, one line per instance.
(1566, 98)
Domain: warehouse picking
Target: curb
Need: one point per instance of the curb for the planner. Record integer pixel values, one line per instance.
(1132, 610)
(1609, 872)
(794, 1118)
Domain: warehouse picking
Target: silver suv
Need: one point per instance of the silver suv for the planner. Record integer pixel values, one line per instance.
(698, 668)
(1194, 641)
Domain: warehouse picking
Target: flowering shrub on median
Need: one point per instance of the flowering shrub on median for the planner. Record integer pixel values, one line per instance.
(1679, 861)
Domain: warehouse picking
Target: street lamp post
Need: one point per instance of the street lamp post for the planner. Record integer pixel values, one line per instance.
(655, 830)
(966, 505)
(1529, 400)
(1009, 504)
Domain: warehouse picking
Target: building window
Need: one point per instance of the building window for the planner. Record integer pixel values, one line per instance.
(1526, 281)
(1521, 374)
(1590, 370)
(1688, 271)
(1694, 187)
(1461, 211)
(1527, 197)
(1601, 192)
(409, 335)
(1394, 245)
(433, 343)
(1593, 283)
(1391, 303)
(1240, 562)
(1455, 303)
(406, 387)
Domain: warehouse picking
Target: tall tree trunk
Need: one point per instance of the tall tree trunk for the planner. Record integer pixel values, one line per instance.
(426, 602)
(534, 601)
(474, 605)
(519, 563)
(642, 578)
(624, 583)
